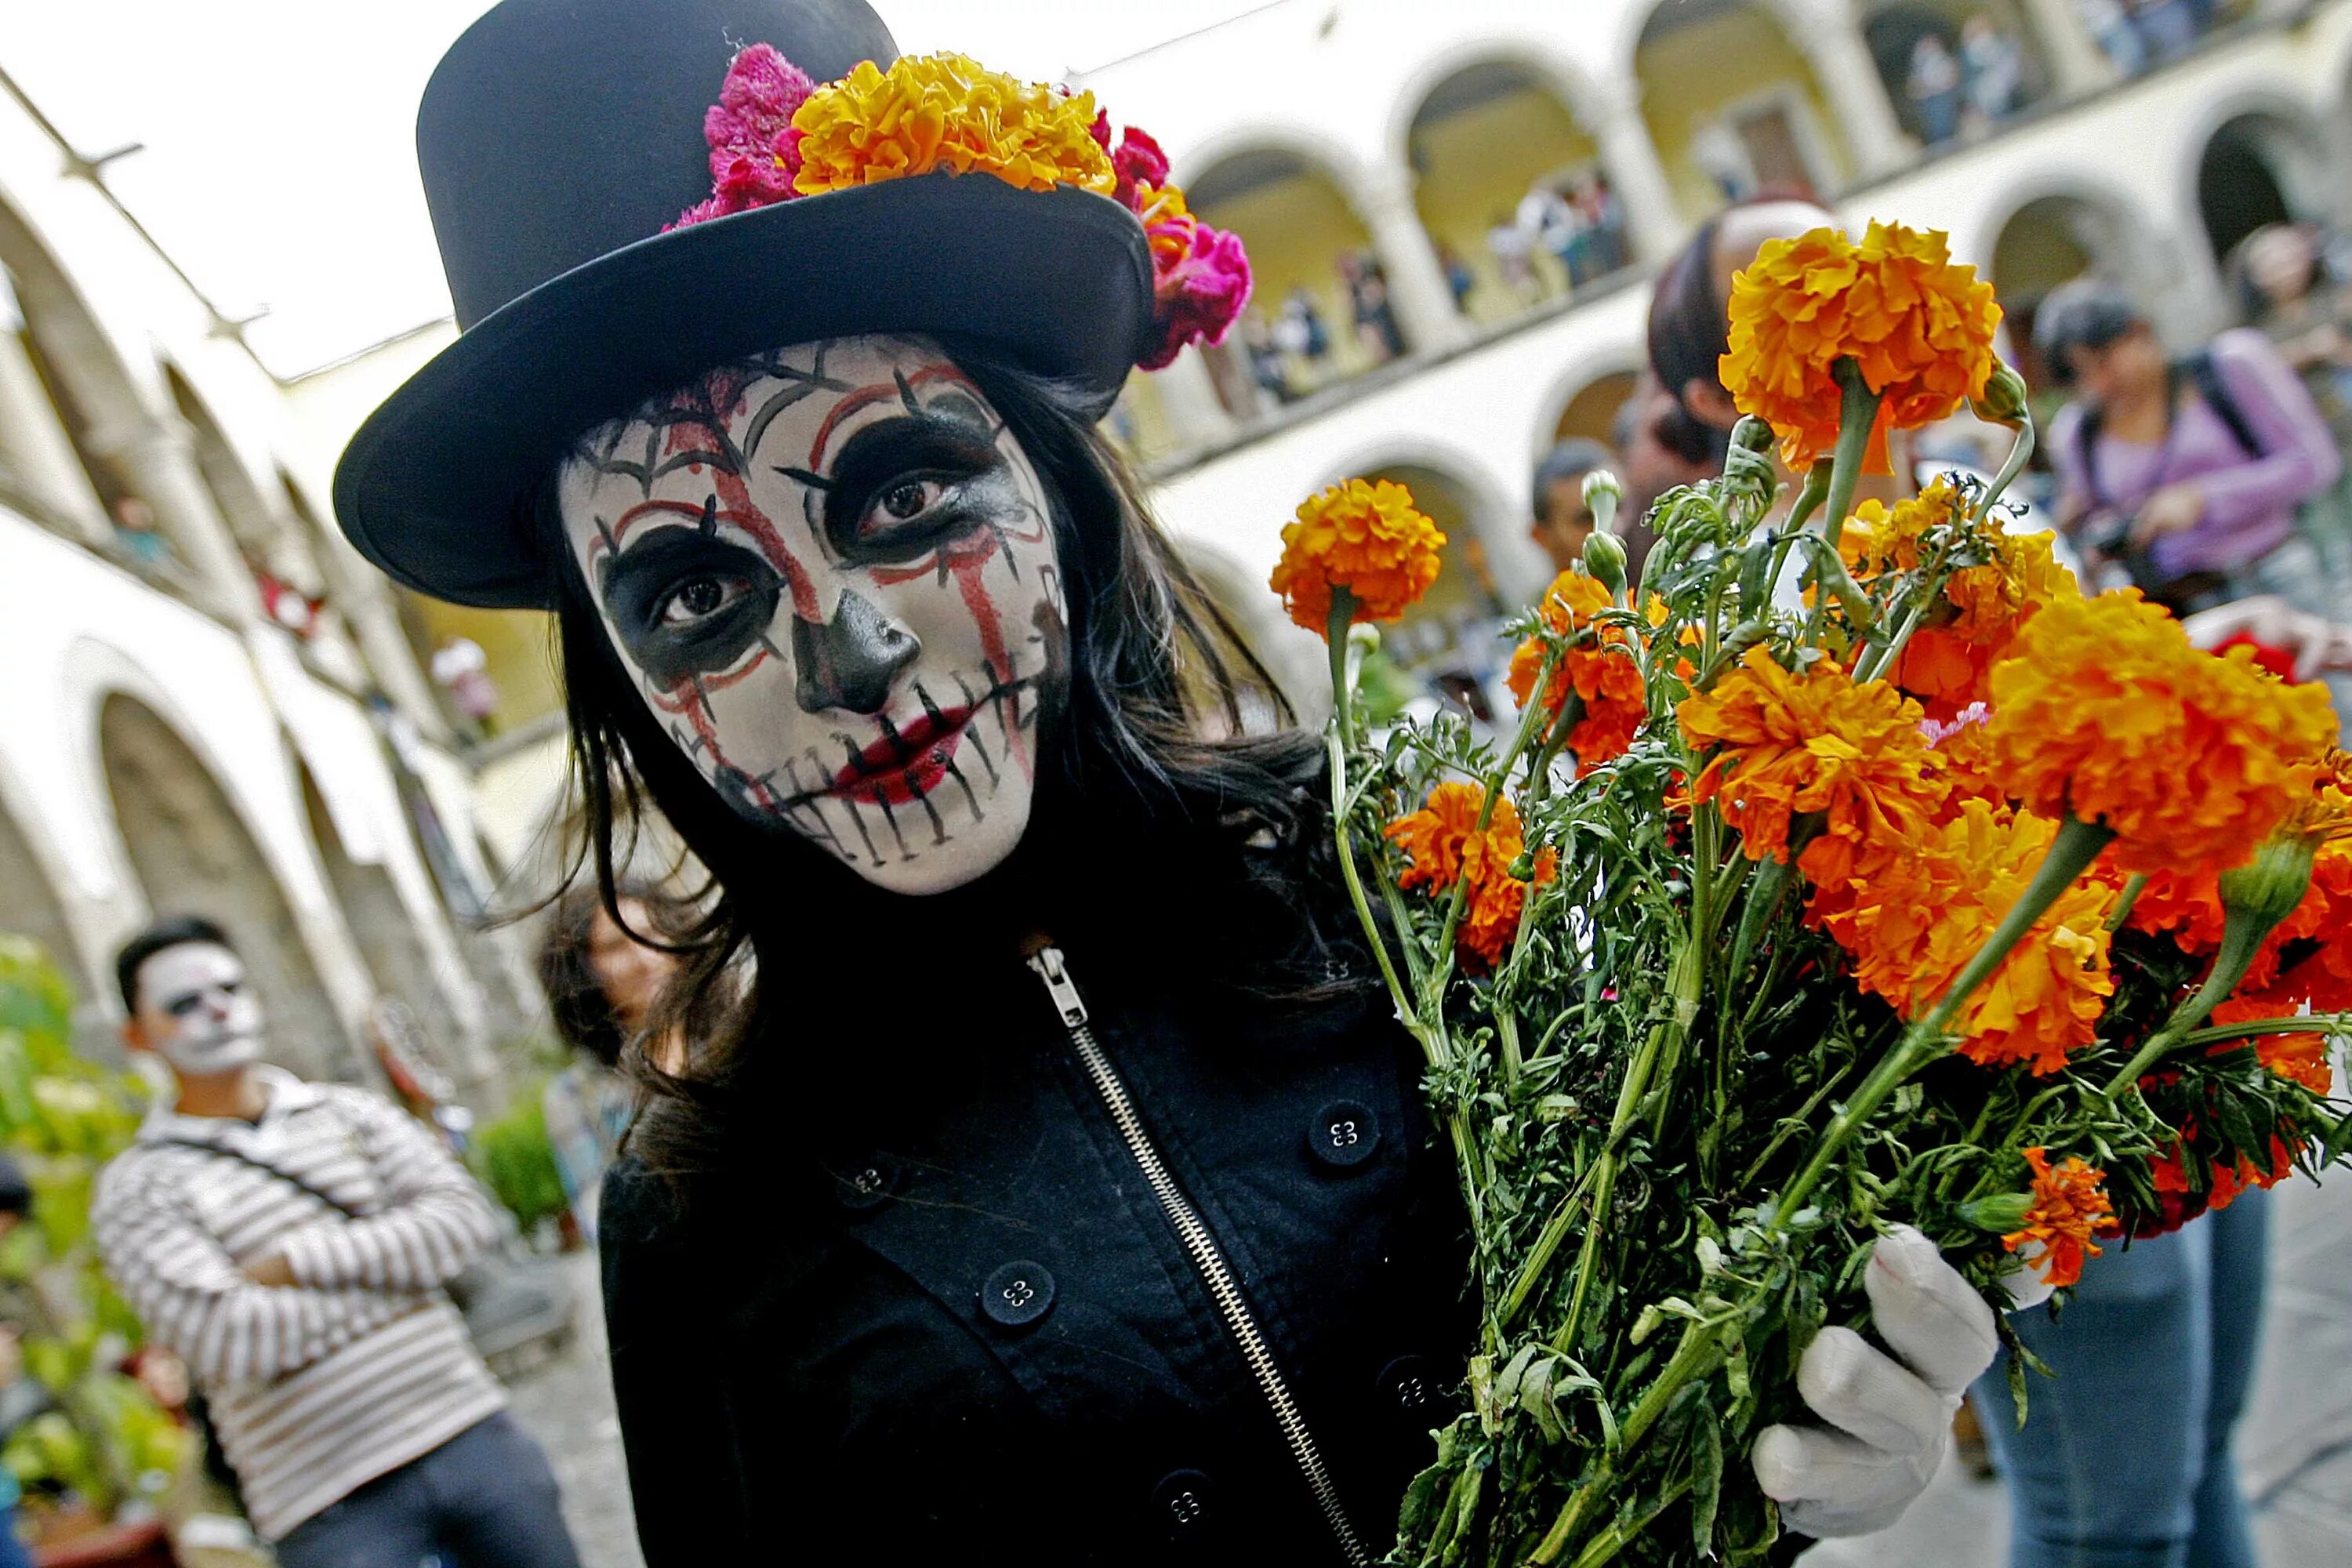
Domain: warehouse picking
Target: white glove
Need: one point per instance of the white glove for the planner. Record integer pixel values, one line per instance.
(1893, 1412)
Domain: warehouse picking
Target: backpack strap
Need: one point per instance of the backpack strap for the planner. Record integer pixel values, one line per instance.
(2206, 377)
(289, 1177)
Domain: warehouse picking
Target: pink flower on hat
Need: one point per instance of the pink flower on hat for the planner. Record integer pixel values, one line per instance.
(1199, 275)
(754, 151)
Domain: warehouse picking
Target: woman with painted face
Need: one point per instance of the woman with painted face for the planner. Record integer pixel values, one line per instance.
(1059, 1190)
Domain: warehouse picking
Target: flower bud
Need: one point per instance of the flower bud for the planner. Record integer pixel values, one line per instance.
(1602, 495)
(1752, 433)
(1604, 557)
(2266, 889)
(2001, 1214)
(1523, 868)
(2004, 402)
(1362, 638)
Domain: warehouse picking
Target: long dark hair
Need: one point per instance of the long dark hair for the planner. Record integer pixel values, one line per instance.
(1146, 761)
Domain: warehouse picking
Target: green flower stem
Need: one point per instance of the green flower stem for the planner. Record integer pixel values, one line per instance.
(1604, 1546)
(2021, 452)
(2253, 1028)
(2071, 853)
(1809, 501)
(2132, 888)
(1343, 615)
(2239, 940)
(1857, 412)
(1665, 1034)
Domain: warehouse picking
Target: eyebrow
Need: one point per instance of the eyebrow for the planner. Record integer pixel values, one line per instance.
(900, 386)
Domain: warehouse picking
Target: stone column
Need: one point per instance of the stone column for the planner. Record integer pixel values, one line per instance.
(158, 460)
(1196, 418)
(34, 452)
(1849, 79)
(2076, 63)
(1609, 110)
(1417, 290)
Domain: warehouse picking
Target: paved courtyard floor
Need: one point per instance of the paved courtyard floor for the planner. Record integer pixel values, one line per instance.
(2295, 1447)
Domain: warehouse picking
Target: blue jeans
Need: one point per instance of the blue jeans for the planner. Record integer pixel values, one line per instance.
(485, 1498)
(2125, 1461)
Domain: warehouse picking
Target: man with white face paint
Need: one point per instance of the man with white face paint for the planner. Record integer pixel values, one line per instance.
(290, 1241)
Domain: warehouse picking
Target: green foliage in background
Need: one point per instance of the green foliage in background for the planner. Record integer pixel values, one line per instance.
(516, 1160)
(62, 1118)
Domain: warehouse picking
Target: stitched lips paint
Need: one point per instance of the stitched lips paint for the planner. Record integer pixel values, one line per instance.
(831, 574)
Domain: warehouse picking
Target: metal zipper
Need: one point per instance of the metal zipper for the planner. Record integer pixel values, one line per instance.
(1207, 1260)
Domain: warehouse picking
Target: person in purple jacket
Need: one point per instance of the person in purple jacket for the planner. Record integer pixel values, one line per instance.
(2189, 474)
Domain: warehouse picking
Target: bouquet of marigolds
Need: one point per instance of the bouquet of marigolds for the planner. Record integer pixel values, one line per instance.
(1851, 867)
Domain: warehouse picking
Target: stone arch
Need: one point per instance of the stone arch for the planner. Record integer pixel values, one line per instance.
(67, 399)
(1720, 133)
(1482, 128)
(1300, 212)
(2255, 162)
(2050, 233)
(192, 853)
(36, 911)
(255, 520)
(383, 927)
(1584, 402)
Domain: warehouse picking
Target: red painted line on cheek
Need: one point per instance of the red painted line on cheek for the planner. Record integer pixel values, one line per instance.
(977, 599)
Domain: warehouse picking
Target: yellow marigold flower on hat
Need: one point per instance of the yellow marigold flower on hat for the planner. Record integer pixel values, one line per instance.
(2069, 1207)
(929, 112)
(1443, 843)
(1362, 535)
(1919, 328)
(1602, 668)
(1791, 745)
(2105, 712)
(1912, 920)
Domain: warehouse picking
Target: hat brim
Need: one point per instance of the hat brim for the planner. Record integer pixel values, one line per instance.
(429, 488)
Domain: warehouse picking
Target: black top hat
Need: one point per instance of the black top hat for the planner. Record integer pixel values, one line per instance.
(557, 137)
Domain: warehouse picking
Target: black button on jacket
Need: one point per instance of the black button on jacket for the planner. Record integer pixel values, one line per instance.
(971, 1329)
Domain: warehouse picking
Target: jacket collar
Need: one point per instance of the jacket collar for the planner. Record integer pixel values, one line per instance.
(288, 1094)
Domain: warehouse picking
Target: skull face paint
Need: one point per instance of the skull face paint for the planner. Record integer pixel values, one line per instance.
(831, 574)
(197, 1011)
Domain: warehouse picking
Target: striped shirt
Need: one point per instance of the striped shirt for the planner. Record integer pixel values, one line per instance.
(359, 1367)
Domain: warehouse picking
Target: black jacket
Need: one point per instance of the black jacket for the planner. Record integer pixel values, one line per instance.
(956, 1319)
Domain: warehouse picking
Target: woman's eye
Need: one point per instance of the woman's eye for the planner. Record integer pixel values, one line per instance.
(700, 598)
(902, 500)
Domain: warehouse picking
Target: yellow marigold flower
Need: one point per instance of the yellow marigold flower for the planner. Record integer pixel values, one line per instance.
(1879, 538)
(1443, 843)
(1816, 744)
(2105, 712)
(2069, 1208)
(1912, 922)
(1602, 668)
(1919, 327)
(947, 112)
(1362, 535)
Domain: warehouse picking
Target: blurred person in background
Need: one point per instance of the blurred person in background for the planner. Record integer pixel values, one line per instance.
(1933, 87)
(2186, 476)
(1514, 249)
(1994, 71)
(603, 978)
(1563, 522)
(2289, 297)
(1658, 448)
(291, 1242)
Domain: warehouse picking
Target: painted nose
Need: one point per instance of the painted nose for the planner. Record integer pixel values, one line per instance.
(850, 661)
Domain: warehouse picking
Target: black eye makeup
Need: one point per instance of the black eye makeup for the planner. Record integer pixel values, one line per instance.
(902, 486)
(685, 603)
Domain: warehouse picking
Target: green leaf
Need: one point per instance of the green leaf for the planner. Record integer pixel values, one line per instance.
(1707, 1479)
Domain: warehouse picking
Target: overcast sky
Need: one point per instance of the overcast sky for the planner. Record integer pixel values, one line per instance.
(280, 169)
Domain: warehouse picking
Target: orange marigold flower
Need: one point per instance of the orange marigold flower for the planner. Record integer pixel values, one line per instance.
(1443, 846)
(1919, 327)
(1600, 665)
(1362, 535)
(1965, 743)
(1793, 746)
(929, 112)
(2105, 712)
(1946, 662)
(2069, 1207)
(1912, 922)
